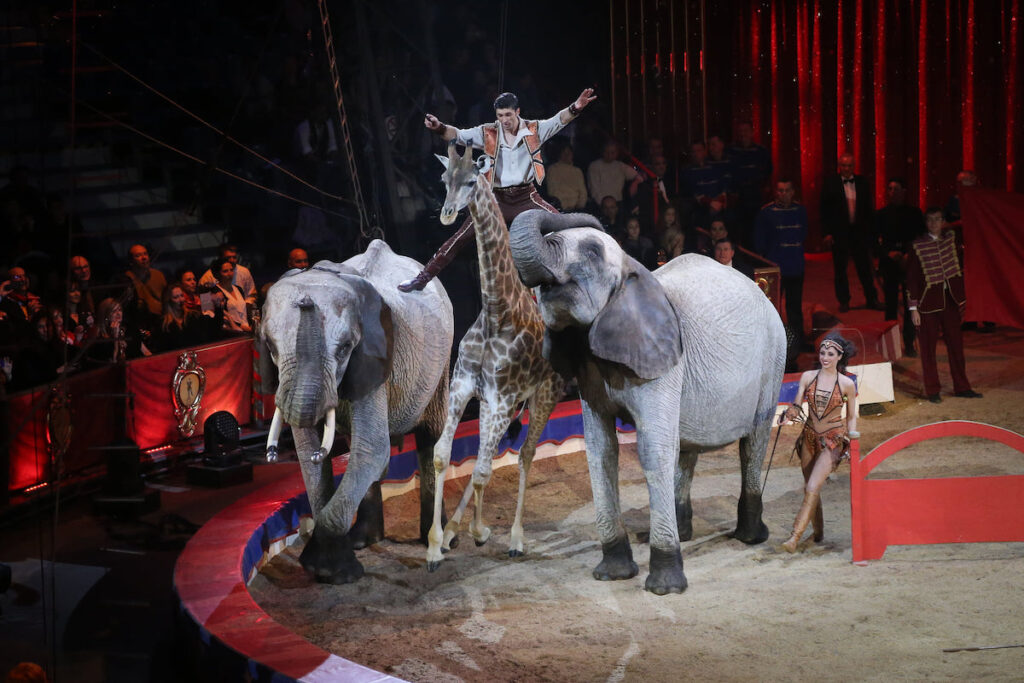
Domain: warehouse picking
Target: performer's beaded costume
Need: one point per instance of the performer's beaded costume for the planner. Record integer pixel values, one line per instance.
(825, 426)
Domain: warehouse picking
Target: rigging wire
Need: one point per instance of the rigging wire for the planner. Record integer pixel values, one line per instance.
(502, 45)
(210, 125)
(196, 159)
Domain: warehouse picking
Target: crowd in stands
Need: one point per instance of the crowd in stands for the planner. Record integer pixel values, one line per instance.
(55, 318)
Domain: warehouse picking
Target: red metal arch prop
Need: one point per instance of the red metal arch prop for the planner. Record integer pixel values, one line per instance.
(945, 510)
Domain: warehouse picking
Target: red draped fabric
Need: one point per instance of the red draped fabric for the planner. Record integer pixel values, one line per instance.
(993, 227)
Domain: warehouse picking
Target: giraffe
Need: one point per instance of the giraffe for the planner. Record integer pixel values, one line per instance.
(500, 360)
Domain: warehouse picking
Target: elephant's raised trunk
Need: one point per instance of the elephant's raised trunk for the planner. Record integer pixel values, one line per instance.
(303, 403)
(538, 260)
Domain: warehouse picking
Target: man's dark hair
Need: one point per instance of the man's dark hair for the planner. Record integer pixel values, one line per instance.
(899, 181)
(506, 100)
(934, 209)
(725, 240)
(785, 179)
(225, 248)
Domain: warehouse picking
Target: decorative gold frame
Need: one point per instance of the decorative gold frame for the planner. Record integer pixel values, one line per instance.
(187, 390)
(58, 425)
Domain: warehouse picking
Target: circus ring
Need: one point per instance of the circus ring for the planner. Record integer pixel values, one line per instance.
(241, 641)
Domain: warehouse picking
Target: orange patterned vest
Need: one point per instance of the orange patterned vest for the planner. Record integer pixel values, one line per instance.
(491, 147)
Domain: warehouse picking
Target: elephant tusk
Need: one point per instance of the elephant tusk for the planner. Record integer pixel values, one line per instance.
(274, 435)
(328, 440)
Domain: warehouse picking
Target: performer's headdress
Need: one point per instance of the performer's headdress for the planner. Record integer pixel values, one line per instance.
(833, 344)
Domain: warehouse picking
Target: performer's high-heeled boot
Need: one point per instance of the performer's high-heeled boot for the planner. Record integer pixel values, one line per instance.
(803, 518)
(818, 523)
(444, 255)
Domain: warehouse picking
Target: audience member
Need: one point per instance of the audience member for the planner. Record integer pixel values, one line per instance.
(565, 182)
(79, 319)
(639, 247)
(298, 258)
(935, 285)
(81, 277)
(704, 187)
(672, 243)
(717, 157)
(236, 317)
(180, 326)
(109, 340)
(612, 218)
(847, 219)
(668, 221)
(243, 276)
(652, 196)
(725, 253)
(752, 170)
(147, 282)
(17, 302)
(897, 224)
(190, 288)
(779, 236)
(607, 176)
(40, 358)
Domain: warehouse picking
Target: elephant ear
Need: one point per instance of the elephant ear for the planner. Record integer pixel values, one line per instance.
(638, 327)
(370, 363)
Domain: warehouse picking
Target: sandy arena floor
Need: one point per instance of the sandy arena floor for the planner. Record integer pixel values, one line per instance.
(750, 613)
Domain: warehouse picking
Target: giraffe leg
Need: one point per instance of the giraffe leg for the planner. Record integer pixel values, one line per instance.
(541, 405)
(439, 540)
(494, 420)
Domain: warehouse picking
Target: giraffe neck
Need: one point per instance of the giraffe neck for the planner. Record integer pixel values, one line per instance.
(499, 281)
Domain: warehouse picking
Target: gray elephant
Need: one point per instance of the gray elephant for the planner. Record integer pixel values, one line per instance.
(344, 340)
(692, 354)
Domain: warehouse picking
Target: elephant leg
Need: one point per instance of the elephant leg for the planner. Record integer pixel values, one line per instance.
(750, 527)
(541, 405)
(442, 533)
(330, 554)
(683, 480)
(494, 421)
(369, 525)
(603, 464)
(657, 449)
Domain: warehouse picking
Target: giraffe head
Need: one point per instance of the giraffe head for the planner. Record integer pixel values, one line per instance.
(460, 177)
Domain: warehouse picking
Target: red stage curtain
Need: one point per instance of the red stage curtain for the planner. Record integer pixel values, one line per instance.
(228, 370)
(993, 225)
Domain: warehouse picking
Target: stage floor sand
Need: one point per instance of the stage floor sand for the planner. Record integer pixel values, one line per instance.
(750, 612)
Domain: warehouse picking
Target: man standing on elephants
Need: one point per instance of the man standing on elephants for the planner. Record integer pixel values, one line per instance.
(513, 146)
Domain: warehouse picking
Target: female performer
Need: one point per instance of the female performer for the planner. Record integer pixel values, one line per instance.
(825, 440)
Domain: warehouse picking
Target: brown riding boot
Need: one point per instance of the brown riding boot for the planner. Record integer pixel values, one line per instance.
(803, 518)
(441, 258)
(818, 523)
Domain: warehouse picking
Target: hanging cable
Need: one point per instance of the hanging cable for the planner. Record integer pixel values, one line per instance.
(502, 45)
(211, 126)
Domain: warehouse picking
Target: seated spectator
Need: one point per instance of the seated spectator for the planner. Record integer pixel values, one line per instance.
(17, 302)
(564, 182)
(60, 332)
(638, 246)
(726, 254)
(298, 258)
(243, 277)
(109, 340)
(668, 220)
(704, 240)
(236, 317)
(81, 277)
(652, 197)
(612, 219)
(190, 287)
(40, 358)
(148, 284)
(180, 326)
(79, 320)
(672, 243)
(607, 176)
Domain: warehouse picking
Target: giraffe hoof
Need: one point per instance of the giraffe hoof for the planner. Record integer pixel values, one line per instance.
(432, 566)
(515, 553)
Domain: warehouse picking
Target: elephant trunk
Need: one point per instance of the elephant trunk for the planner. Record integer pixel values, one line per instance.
(304, 402)
(533, 256)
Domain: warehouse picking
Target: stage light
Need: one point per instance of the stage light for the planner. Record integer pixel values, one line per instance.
(220, 437)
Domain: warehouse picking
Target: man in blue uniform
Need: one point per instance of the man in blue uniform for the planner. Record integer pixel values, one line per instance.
(779, 234)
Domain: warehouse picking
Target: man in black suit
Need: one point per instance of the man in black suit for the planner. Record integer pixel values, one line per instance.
(725, 253)
(847, 219)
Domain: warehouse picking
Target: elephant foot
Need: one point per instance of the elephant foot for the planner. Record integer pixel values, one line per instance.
(684, 520)
(749, 526)
(331, 558)
(369, 525)
(666, 572)
(617, 563)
